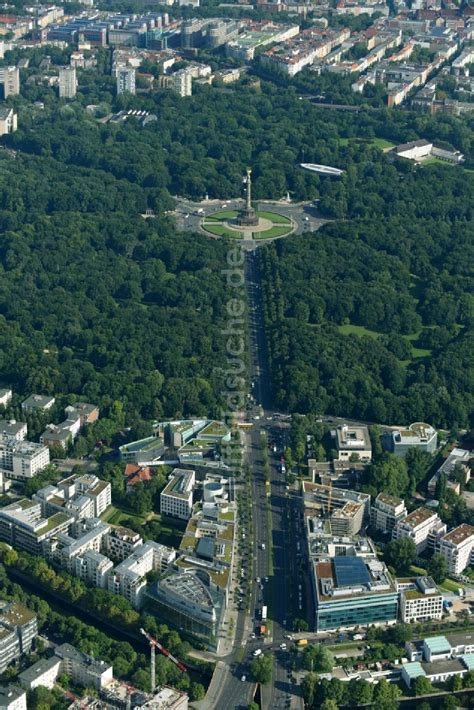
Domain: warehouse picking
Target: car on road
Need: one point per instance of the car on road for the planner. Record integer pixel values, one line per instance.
(283, 646)
(244, 678)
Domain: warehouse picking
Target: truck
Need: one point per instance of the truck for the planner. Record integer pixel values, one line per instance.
(302, 642)
(264, 613)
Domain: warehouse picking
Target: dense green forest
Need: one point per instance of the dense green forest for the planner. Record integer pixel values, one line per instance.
(98, 302)
(384, 330)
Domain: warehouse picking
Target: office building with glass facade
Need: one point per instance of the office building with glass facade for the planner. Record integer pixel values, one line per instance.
(353, 591)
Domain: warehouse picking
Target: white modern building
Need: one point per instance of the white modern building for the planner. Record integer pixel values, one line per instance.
(418, 435)
(94, 568)
(386, 511)
(5, 397)
(67, 83)
(353, 442)
(23, 526)
(80, 496)
(457, 457)
(83, 669)
(125, 80)
(423, 526)
(129, 577)
(420, 599)
(12, 698)
(42, 673)
(176, 499)
(21, 460)
(9, 81)
(12, 428)
(121, 542)
(457, 547)
(8, 121)
(38, 403)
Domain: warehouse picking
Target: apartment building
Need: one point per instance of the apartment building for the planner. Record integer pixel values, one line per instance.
(18, 629)
(12, 698)
(9, 82)
(5, 396)
(180, 81)
(345, 509)
(67, 83)
(386, 512)
(37, 403)
(80, 496)
(89, 537)
(176, 499)
(23, 527)
(423, 526)
(94, 568)
(129, 577)
(121, 542)
(125, 80)
(21, 460)
(10, 428)
(420, 599)
(8, 121)
(42, 673)
(9, 648)
(353, 442)
(87, 413)
(457, 458)
(457, 547)
(347, 520)
(83, 669)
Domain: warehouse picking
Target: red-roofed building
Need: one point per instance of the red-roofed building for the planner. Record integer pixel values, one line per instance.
(137, 474)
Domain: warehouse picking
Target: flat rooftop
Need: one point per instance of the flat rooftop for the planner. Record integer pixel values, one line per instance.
(15, 614)
(389, 500)
(460, 534)
(417, 517)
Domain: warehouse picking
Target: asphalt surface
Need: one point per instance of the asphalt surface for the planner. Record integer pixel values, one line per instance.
(278, 539)
(189, 215)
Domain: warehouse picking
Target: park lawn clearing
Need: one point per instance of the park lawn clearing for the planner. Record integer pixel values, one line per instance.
(116, 515)
(274, 217)
(221, 231)
(359, 330)
(221, 216)
(272, 232)
(450, 586)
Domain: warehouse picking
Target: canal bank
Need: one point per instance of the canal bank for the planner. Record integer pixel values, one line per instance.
(137, 641)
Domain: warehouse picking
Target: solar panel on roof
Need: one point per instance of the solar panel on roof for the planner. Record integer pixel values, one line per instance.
(350, 571)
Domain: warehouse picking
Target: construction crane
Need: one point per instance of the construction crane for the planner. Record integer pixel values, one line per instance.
(155, 644)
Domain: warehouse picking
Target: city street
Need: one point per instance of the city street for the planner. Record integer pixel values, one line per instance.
(277, 541)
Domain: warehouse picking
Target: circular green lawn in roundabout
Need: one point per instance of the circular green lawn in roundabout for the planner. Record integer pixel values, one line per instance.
(270, 225)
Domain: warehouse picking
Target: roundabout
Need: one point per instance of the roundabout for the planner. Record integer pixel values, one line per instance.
(247, 223)
(268, 225)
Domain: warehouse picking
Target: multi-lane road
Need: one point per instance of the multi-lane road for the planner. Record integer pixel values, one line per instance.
(274, 514)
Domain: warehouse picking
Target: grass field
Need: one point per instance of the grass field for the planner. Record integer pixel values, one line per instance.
(360, 330)
(274, 217)
(272, 232)
(377, 142)
(450, 585)
(116, 516)
(357, 330)
(222, 216)
(221, 231)
(212, 224)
